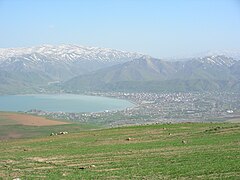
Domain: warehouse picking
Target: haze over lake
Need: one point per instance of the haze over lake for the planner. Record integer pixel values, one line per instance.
(61, 102)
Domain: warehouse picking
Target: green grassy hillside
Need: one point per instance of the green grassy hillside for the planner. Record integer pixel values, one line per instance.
(173, 151)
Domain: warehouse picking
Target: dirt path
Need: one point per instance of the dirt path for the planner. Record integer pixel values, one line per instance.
(29, 120)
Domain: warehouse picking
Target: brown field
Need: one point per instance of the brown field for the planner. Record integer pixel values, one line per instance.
(28, 120)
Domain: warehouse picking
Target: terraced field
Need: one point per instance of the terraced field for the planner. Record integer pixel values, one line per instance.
(169, 151)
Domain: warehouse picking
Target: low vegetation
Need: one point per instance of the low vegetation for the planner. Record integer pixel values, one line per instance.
(166, 151)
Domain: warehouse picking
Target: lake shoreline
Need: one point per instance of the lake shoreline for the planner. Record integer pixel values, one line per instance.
(93, 104)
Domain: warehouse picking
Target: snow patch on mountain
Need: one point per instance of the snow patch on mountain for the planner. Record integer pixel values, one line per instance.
(219, 60)
(235, 54)
(68, 53)
(61, 62)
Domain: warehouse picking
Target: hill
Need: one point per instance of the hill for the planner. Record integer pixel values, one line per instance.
(167, 151)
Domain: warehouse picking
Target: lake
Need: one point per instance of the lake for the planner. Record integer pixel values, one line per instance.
(62, 102)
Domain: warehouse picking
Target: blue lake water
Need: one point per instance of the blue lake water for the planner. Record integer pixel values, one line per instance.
(61, 102)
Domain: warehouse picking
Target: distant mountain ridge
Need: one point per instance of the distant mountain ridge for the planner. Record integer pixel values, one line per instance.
(71, 60)
(50, 63)
(79, 68)
(69, 52)
(150, 74)
(235, 54)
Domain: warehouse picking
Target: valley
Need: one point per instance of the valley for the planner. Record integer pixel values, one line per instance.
(198, 89)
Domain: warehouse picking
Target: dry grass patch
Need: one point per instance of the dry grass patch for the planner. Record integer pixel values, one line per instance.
(29, 120)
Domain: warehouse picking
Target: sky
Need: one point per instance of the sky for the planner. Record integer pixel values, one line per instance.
(160, 28)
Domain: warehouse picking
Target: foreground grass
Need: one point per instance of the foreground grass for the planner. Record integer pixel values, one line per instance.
(175, 151)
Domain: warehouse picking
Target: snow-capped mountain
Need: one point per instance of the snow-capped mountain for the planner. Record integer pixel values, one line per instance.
(219, 60)
(61, 62)
(69, 53)
(37, 67)
(235, 54)
(30, 68)
(148, 74)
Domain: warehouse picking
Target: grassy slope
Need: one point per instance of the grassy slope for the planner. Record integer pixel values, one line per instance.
(211, 151)
(10, 129)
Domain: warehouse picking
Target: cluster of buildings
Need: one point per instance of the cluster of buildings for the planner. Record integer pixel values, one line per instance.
(160, 108)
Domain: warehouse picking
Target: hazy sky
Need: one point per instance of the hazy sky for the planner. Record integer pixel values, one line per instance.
(161, 28)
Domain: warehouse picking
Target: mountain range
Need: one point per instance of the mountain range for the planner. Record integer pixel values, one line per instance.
(27, 69)
(75, 68)
(150, 74)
